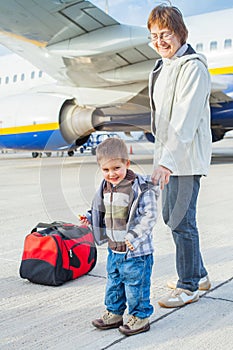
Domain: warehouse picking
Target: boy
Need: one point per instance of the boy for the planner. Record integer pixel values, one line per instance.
(125, 210)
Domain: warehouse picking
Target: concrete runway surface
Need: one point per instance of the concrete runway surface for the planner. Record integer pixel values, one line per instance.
(43, 317)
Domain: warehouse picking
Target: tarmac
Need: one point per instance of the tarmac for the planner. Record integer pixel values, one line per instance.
(38, 317)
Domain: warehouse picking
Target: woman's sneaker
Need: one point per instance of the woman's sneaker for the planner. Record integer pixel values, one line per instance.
(108, 321)
(135, 325)
(204, 283)
(179, 297)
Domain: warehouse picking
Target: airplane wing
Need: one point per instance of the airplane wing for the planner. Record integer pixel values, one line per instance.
(78, 45)
(47, 22)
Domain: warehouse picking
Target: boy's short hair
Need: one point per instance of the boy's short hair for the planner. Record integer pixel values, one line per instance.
(112, 148)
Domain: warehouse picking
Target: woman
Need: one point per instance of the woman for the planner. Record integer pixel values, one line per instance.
(179, 94)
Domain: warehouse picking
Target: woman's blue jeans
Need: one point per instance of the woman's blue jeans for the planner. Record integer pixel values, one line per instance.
(179, 200)
(128, 282)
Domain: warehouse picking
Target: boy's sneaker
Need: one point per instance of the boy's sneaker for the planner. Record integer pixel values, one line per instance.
(179, 297)
(135, 325)
(108, 321)
(204, 283)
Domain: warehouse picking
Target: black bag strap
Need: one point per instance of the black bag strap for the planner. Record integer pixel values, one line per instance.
(52, 226)
(66, 230)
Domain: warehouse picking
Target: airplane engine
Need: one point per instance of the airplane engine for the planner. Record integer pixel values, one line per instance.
(77, 123)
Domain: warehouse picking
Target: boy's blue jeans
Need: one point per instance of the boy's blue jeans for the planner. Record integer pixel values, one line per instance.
(179, 199)
(128, 282)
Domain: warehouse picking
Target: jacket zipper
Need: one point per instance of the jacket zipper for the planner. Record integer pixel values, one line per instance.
(111, 200)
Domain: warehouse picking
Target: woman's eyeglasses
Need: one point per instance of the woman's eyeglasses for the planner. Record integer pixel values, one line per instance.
(160, 36)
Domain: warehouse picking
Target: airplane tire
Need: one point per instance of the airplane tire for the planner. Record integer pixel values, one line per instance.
(70, 153)
(35, 154)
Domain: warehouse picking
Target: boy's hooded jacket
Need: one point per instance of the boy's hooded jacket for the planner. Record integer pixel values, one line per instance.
(141, 220)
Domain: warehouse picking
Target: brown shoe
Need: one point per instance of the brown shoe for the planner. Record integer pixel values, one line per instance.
(108, 321)
(135, 325)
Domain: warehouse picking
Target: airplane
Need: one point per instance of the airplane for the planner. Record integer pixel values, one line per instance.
(90, 73)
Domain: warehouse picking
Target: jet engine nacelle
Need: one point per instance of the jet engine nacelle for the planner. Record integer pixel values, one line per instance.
(76, 122)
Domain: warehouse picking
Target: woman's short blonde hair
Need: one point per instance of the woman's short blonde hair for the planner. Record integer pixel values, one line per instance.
(169, 17)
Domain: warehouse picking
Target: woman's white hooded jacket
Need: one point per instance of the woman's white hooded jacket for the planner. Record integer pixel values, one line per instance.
(182, 131)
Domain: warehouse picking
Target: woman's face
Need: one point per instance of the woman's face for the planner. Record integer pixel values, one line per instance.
(165, 42)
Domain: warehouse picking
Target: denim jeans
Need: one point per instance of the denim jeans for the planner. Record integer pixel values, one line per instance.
(179, 200)
(128, 282)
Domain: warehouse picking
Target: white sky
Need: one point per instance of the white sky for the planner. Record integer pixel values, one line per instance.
(136, 12)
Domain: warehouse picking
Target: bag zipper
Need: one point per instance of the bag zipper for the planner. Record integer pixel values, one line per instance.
(77, 244)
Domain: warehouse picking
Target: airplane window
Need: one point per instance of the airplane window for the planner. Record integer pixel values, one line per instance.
(213, 45)
(22, 77)
(227, 43)
(40, 73)
(7, 80)
(32, 75)
(199, 47)
(14, 78)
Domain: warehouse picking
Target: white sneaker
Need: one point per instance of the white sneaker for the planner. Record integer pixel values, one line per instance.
(179, 297)
(204, 283)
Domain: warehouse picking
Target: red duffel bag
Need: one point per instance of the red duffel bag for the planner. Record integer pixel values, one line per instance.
(57, 252)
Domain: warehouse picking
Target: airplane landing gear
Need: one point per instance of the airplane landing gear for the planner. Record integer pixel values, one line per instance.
(70, 153)
(39, 154)
(36, 154)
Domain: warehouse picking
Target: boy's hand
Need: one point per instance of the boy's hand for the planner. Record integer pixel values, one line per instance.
(129, 245)
(83, 220)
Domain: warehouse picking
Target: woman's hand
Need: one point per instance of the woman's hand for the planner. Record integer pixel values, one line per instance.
(160, 176)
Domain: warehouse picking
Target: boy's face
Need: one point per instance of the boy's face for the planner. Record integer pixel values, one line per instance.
(114, 170)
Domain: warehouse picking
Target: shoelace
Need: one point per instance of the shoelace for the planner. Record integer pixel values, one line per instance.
(106, 315)
(177, 292)
(132, 320)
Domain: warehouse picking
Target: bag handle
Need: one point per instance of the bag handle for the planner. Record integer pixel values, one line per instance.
(54, 225)
(65, 229)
